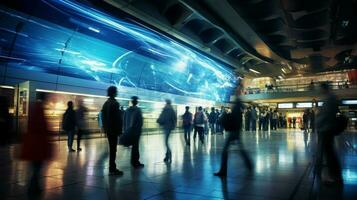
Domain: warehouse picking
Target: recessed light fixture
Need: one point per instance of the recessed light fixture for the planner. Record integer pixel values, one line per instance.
(255, 71)
(282, 69)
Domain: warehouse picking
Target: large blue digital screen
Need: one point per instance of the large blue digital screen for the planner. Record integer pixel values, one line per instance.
(73, 39)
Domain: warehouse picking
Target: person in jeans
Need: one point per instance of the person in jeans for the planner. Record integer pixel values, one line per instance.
(112, 125)
(187, 125)
(133, 123)
(80, 122)
(234, 134)
(199, 121)
(69, 124)
(167, 120)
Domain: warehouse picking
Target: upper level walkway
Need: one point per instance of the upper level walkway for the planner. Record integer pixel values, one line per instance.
(283, 170)
(298, 92)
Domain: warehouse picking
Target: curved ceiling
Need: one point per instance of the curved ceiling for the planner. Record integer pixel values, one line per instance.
(259, 37)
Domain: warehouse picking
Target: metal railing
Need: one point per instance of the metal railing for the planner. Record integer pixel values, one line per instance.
(297, 88)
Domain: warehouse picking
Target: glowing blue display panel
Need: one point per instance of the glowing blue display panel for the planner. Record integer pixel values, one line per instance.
(72, 39)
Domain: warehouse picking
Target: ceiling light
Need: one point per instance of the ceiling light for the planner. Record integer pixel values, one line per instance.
(282, 69)
(255, 71)
(94, 29)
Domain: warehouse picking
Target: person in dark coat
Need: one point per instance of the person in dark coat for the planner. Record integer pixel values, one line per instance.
(212, 118)
(326, 122)
(167, 121)
(187, 118)
(69, 124)
(5, 121)
(234, 134)
(305, 120)
(112, 125)
(133, 123)
(80, 122)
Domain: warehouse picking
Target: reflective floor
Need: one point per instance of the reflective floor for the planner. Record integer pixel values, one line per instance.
(283, 170)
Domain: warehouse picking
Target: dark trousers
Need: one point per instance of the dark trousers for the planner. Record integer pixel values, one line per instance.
(200, 131)
(254, 125)
(224, 162)
(35, 179)
(70, 138)
(274, 123)
(261, 124)
(79, 137)
(218, 128)
(247, 124)
(328, 152)
(135, 155)
(213, 128)
(187, 134)
(167, 133)
(113, 141)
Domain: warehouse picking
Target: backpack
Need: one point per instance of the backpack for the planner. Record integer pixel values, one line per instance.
(199, 118)
(341, 124)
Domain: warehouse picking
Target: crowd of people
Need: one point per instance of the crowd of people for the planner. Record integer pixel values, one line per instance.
(264, 118)
(125, 126)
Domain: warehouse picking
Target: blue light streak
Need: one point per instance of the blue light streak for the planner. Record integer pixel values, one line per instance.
(139, 58)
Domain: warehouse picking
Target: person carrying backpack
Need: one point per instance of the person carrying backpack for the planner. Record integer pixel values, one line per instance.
(69, 124)
(199, 121)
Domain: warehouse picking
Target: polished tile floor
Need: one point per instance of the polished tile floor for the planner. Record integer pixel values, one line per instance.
(282, 170)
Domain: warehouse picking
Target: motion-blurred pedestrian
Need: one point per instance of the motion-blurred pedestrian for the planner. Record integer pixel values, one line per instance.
(80, 122)
(326, 122)
(235, 126)
(5, 121)
(35, 146)
(167, 121)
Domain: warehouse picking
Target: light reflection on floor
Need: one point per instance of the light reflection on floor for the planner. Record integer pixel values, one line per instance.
(280, 158)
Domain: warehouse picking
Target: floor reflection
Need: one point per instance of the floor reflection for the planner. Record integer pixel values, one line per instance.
(280, 157)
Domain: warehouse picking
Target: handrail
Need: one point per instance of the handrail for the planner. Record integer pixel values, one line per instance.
(297, 87)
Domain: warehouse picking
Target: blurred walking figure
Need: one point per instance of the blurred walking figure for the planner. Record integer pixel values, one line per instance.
(212, 118)
(261, 118)
(36, 147)
(274, 119)
(133, 123)
(167, 120)
(187, 118)
(217, 123)
(112, 125)
(326, 124)
(69, 124)
(254, 116)
(233, 124)
(5, 121)
(81, 123)
(294, 122)
(199, 121)
(305, 120)
(247, 118)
